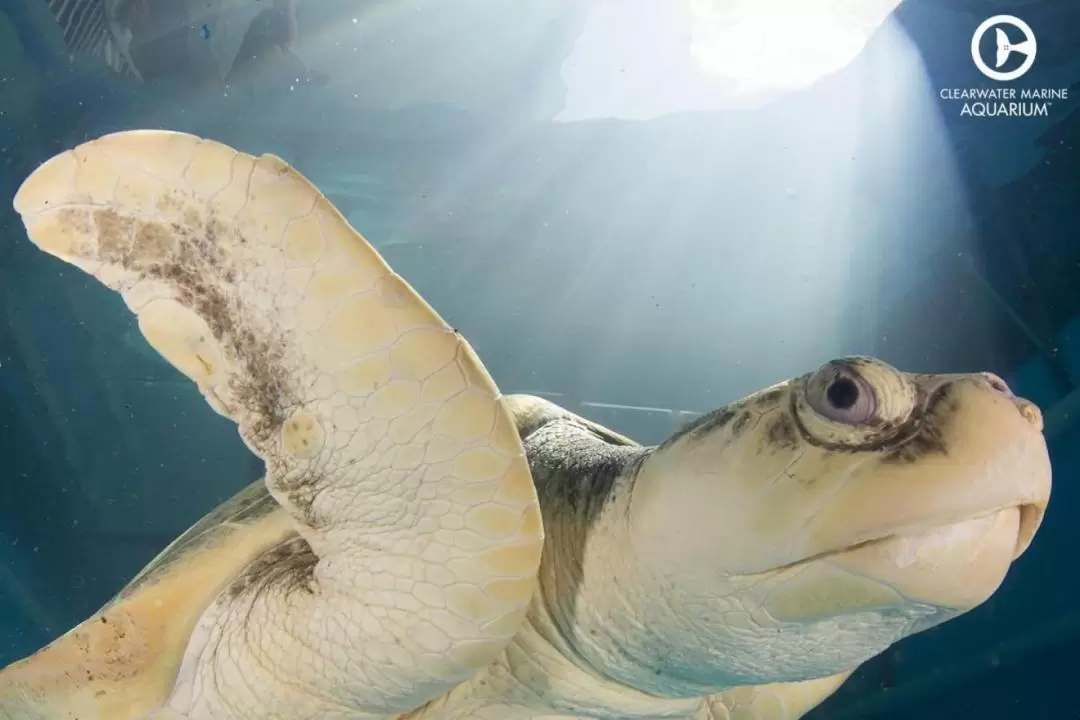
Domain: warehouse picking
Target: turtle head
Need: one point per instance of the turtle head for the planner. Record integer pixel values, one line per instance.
(809, 526)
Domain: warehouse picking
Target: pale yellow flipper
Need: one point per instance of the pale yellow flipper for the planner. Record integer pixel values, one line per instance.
(384, 437)
(122, 661)
(778, 701)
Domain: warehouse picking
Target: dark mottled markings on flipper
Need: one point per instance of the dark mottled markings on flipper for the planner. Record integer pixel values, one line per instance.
(289, 567)
(248, 506)
(302, 488)
(197, 265)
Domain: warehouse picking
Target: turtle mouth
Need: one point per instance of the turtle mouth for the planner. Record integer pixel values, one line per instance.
(954, 565)
(1030, 517)
(947, 568)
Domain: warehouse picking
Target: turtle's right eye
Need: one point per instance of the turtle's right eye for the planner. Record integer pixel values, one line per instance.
(854, 401)
(840, 394)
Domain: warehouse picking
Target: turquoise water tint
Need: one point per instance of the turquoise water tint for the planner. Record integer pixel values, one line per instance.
(641, 210)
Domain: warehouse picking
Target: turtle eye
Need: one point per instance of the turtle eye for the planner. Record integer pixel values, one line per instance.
(838, 393)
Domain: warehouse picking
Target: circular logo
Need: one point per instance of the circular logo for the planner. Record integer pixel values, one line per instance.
(1005, 47)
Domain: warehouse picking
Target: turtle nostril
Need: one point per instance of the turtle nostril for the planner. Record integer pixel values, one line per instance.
(997, 383)
(1029, 410)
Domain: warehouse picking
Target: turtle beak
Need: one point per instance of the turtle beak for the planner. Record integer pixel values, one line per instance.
(1033, 511)
(1031, 517)
(944, 529)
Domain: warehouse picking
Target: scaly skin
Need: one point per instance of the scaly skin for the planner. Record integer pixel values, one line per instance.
(605, 635)
(739, 570)
(384, 437)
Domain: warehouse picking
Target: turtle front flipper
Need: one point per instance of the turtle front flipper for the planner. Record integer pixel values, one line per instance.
(778, 701)
(384, 437)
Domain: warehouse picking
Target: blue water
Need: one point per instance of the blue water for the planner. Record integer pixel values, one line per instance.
(642, 262)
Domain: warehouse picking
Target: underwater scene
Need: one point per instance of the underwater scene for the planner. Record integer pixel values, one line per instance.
(539, 359)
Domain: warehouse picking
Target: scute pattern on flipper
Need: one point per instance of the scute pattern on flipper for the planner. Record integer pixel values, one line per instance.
(383, 435)
(290, 566)
(190, 258)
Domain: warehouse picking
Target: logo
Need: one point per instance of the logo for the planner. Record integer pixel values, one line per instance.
(1013, 54)
(1006, 48)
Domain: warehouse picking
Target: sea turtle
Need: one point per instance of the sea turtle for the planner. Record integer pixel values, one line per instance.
(423, 547)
